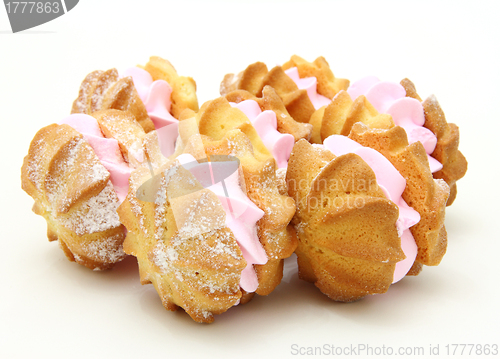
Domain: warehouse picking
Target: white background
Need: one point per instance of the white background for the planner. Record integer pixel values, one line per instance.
(51, 307)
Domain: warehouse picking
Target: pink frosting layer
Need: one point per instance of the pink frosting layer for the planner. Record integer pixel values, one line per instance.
(106, 149)
(156, 98)
(241, 215)
(390, 98)
(310, 84)
(167, 137)
(279, 144)
(392, 184)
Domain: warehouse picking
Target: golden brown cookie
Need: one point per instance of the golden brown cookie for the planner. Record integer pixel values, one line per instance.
(348, 241)
(73, 192)
(194, 262)
(179, 235)
(217, 117)
(423, 193)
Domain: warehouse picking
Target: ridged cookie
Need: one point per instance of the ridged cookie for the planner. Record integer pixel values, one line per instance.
(348, 240)
(192, 258)
(428, 196)
(446, 151)
(73, 192)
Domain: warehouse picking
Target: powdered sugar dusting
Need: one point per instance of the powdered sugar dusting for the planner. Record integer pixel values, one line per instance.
(134, 204)
(127, 132)
(281, 181)
(104, 82)
(35, 173)
(81, 103)
(107, 250)
(55, 187)
(193, 224)
(36, 170)
(64, 175)
(94, 215)
(172, 258)
(160, 207)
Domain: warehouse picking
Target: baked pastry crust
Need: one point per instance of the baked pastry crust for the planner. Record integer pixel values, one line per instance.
(183, 88)
(73, 190)
(218, 117)
(123, 127)
(328, 84)
(342, 113)
(199, 272)
(103, 90)
(256, 76)
(271, 101)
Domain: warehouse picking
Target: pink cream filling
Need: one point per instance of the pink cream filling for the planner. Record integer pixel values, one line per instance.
(156, 98)
(310, 84)
(106, 149)
(386, 97)
(241, 217)
(389, 97)
(279, 144)
(392, 184)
